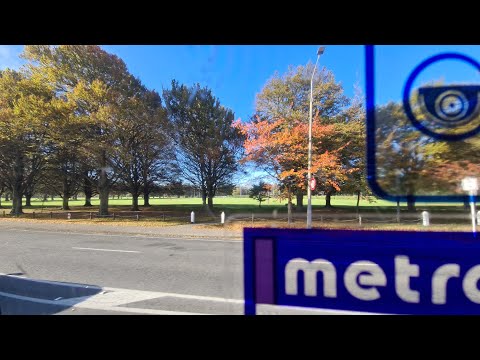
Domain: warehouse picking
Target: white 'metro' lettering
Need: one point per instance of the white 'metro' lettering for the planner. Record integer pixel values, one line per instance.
(439, 282)
(403, 272)
(362, 278)
(310, 270)
(363, 274)
(470, 284)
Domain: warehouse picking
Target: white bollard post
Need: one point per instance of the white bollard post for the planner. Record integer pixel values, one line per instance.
(478, 217)
(222, 217)
(192, 217)
(470, 185)
(472, 208)
(426, 218)
(69, 216)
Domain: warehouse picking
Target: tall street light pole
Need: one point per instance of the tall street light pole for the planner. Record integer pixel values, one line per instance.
(309, 177)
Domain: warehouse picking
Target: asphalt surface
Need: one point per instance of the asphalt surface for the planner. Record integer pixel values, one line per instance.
(56, 271)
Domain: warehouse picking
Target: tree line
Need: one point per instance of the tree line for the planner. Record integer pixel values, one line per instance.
(276, 135)
(74, 120)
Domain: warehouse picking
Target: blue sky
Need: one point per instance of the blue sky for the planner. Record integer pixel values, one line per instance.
(236, 73)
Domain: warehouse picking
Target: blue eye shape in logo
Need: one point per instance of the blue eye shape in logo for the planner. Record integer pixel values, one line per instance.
(450, 106)
(449, 112)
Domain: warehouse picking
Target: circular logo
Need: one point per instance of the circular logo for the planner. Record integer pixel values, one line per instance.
(444, 112)
(451, 106)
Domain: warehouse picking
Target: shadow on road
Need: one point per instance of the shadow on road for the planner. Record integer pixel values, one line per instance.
(21, 296)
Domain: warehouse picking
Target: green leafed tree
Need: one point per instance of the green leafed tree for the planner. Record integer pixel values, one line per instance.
(260, 192)
(208, 146)
(97, 83)
(142, 152)
(25, 114)
(287, 97)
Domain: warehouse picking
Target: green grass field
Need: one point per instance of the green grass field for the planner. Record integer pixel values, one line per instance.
(237, 204)
(239, 211)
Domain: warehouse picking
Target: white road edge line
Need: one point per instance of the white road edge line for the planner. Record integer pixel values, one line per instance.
(153, 294)
(112, 250)
(183, 296)
(94, 307)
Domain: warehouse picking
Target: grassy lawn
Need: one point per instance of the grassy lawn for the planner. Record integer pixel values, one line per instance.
(235, 204)
(238, 210)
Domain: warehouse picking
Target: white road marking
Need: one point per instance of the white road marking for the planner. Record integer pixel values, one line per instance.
(199, 297)
(151, 293)
(60, 283)
(144, 236)
(95, 249)
(153, 311)
(26, 298)
(68, 302)
(267, 309)
(115, 299)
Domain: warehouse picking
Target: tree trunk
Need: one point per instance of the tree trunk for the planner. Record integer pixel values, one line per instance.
(300, 200)
(65, 203)
(52, 197)
(135, 202)
(65, 194)
(7, 197)
(14, 206)
(87, 189)
(328, 199)
(28, 200)
(398, 211)
(45, 197)
(103, 195)
(410, 204)
(146, 197)
(204, 197)
(88, 201)
(359, 194)
(103, 186)
(17, 193)
(17, 208)
(75, 197)
(210, 203)
(289, 208)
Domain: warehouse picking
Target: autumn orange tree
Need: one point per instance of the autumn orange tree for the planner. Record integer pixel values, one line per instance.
(280, 147)
(339, 126)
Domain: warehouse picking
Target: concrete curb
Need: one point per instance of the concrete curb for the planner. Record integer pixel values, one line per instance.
(186, 231)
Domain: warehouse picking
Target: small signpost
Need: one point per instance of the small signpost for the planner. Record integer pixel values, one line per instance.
(470, 185)
(313, 183)
(318, 271)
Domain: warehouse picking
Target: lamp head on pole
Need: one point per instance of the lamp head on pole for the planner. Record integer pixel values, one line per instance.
(320, 50)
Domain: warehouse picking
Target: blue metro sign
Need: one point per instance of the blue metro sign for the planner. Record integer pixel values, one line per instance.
(362, 271)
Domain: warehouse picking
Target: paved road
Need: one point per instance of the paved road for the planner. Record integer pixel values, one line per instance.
(57, 272)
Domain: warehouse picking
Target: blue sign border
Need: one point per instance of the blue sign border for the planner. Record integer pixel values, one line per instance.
(427, 249)
(371, 145)
(408, 88)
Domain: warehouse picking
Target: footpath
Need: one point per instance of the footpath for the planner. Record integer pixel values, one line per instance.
(202, 231)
